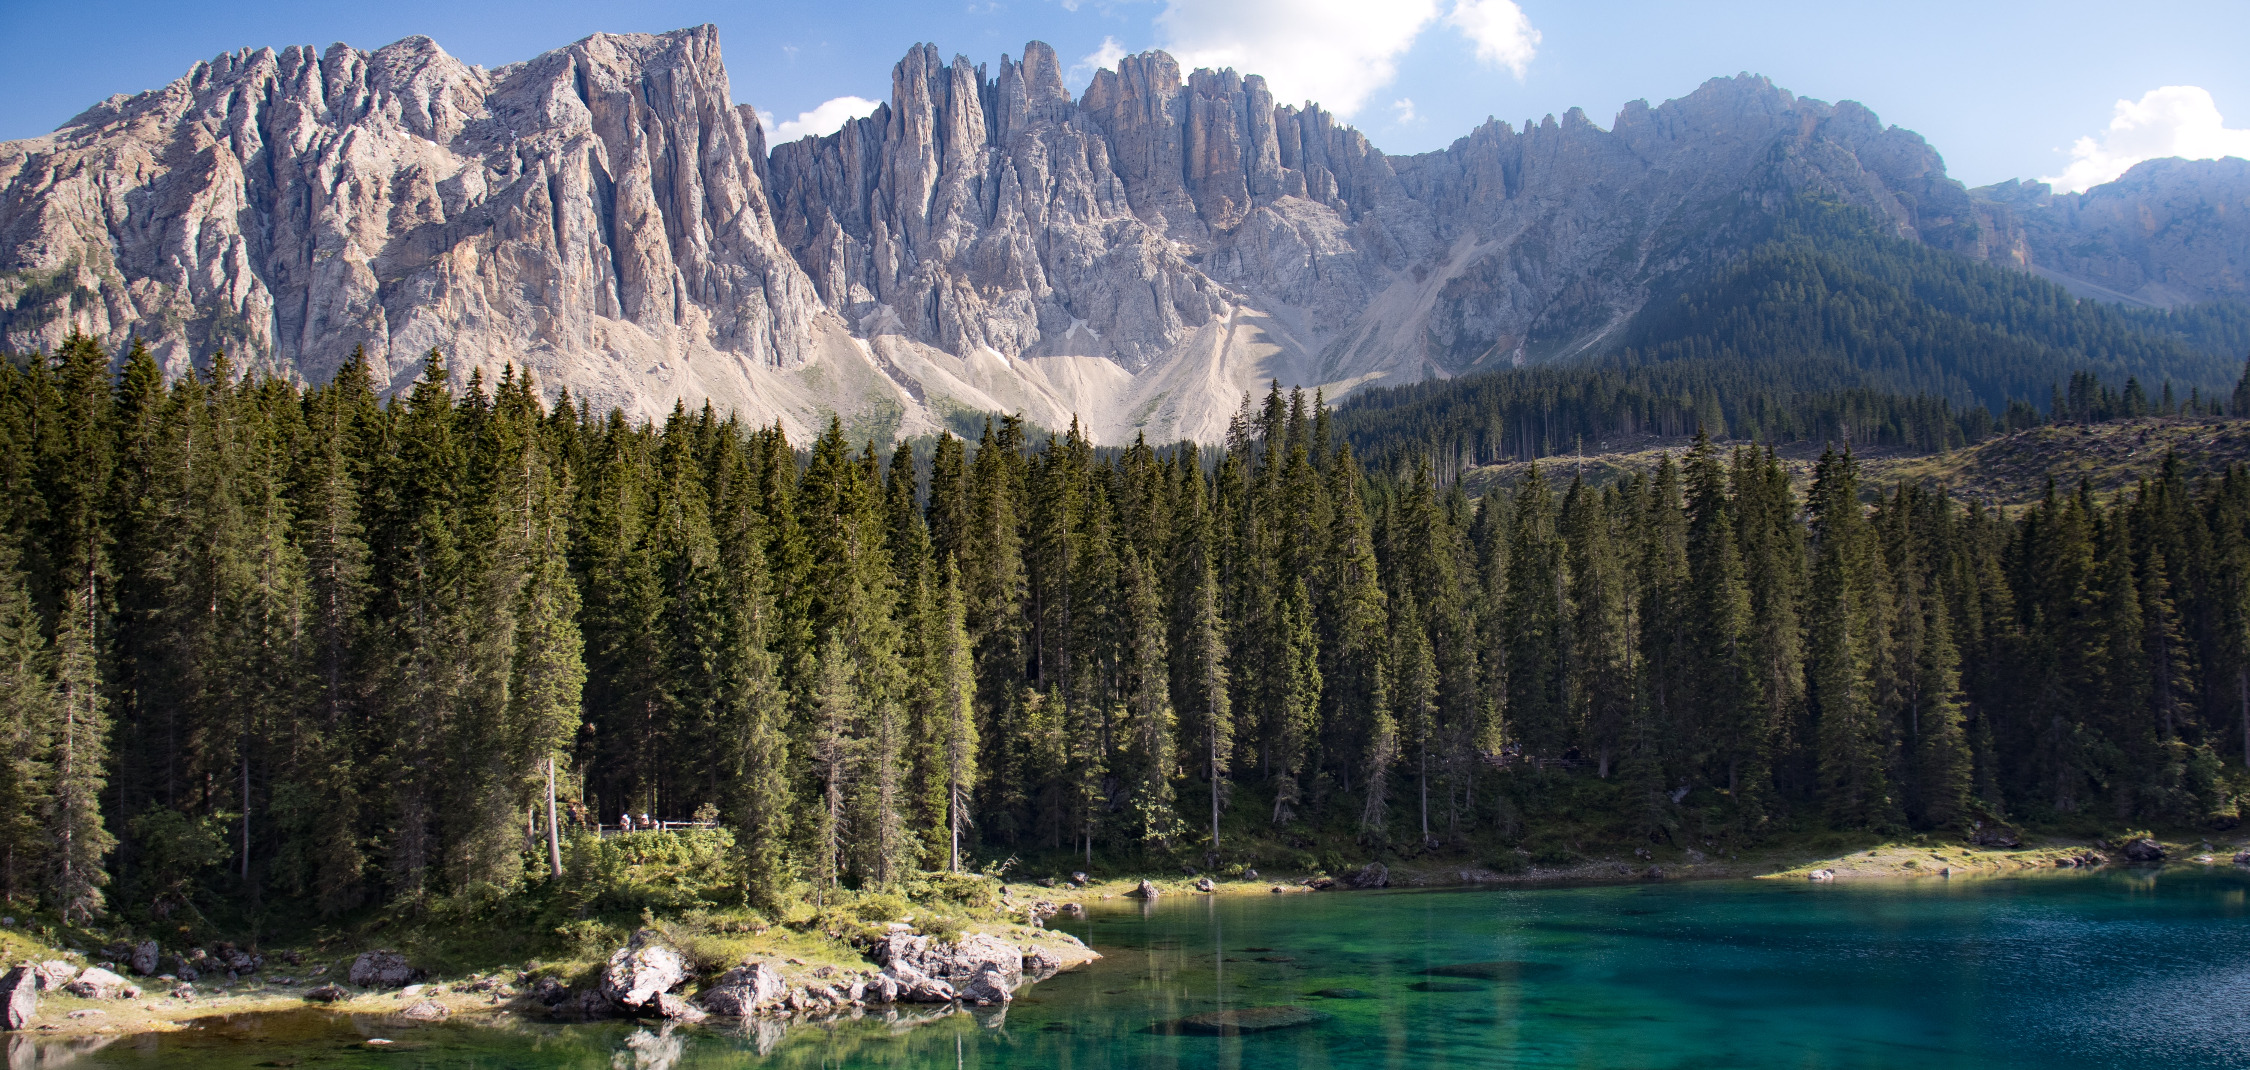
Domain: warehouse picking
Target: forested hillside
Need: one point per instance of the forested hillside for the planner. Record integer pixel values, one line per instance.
(1827, 329)
(294, 649)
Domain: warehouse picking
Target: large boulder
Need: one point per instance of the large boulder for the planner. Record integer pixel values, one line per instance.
(2144, 850)
(1373, 875)
(327, 994)
(1148, 890)
(987, 987)
(645, 968)
(19, 997)
(55, 973)
(98, 983)
(381, 969)
(955, 963)
(745, 990)
(144, 958)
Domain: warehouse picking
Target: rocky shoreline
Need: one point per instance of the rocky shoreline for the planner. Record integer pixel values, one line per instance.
(906, 977)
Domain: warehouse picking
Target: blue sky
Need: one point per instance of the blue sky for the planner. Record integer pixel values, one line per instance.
(2003, 90)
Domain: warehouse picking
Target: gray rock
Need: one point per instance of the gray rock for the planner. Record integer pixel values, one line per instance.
(55, 973)
(326, 994)
(745, 990)
(955, 963)
(910, 985)
(427, 1010)
(1203, 884)
(144, 958)
(674, 1008)
(988, 987)
(1372, 875)
(381, 969)
(549, 992)
(640, 971)
(2144, 850)
(1821, 875)
(19, 997)
(1148, 890)
(1039, 963)
(98, 983)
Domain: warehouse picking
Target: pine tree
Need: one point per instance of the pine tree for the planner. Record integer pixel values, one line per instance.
(1845, 622)
(954, 676)
(28, 716)
(81, 842)
(1146, 706)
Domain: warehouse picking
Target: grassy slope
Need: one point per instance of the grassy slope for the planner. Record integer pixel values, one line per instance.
(2009, 471)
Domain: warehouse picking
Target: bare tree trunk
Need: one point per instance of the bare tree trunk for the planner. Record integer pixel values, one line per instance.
(246, 810)
(554, 833)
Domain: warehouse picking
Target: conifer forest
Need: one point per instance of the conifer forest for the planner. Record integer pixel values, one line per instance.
(304, 648)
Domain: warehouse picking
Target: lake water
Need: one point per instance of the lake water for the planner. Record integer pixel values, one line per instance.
(2114, 968)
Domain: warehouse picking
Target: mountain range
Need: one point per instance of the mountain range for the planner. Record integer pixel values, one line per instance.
(1135, 257)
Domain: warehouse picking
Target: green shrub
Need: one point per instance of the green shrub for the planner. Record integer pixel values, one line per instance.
(664, 872)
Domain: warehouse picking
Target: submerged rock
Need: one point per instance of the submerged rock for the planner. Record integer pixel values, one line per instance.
(1448, 986)
(1509, 970)
(1342, 993)
(1249, 1020)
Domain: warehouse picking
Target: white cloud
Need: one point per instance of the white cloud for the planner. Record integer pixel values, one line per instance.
(1335, 52)
(1499, 30)
(1103, 58)
(1402, 110)
(2176, 120)
(825, 119)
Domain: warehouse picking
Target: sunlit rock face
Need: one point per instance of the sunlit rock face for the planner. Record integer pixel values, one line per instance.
(1134, 258)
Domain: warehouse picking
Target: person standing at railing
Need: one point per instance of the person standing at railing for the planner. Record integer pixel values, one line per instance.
(625, 821)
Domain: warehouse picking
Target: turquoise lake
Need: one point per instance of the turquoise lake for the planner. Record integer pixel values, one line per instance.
(2114, 968)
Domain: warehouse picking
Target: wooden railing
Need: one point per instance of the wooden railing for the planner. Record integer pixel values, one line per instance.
(657, 826)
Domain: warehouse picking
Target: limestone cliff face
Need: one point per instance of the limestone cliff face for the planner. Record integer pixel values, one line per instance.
(1134, 258)
(2169, 232)
(595, 214)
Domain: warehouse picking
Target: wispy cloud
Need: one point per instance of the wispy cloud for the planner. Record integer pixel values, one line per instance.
(1402, 110)
(1500, 31)
(1105, 57)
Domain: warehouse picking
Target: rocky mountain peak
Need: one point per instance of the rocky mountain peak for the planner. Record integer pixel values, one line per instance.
(606, 217)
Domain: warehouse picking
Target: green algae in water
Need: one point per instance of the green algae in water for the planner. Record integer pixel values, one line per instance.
(2106, 969)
